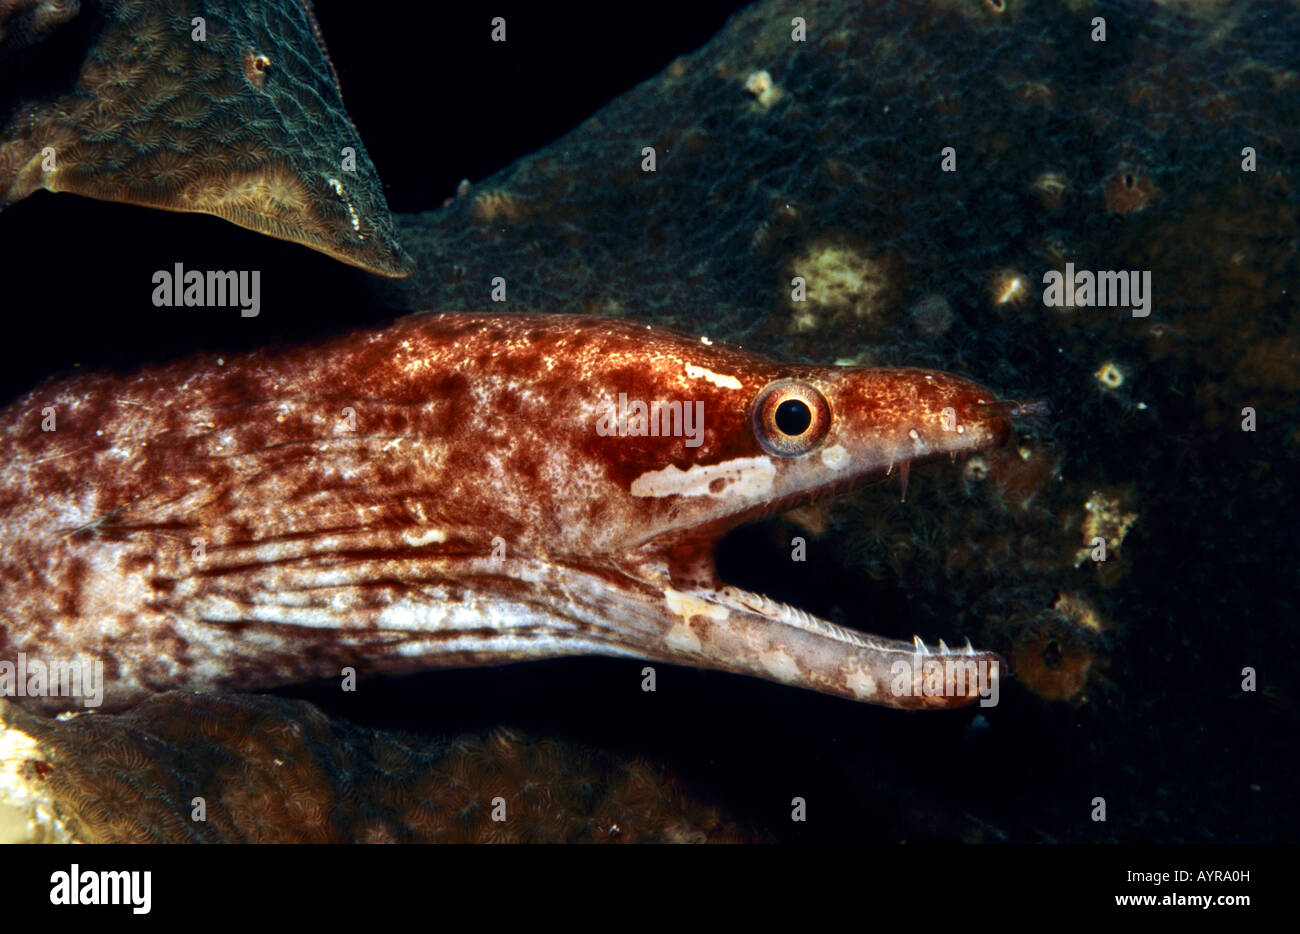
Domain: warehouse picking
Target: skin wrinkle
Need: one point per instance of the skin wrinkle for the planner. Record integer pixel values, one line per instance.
(525, 533)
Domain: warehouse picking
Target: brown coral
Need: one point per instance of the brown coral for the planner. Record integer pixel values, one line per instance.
(274, 770)
(147, 80)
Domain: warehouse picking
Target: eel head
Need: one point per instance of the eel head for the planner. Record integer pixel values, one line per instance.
(665, 443)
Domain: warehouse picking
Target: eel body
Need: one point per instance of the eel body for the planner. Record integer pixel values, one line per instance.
(452, 490)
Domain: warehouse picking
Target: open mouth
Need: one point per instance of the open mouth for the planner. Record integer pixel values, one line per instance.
(714, 624)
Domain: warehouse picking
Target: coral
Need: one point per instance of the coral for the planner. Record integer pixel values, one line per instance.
(259, 81)
(271, 770)
(1105, 520)
(1053, 662)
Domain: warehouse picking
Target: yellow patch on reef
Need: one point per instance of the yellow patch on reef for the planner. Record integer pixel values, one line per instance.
(1079, 611)
(1009, 287)
(27, 815)
(766, 91)
(1106, 520)
(840, 280)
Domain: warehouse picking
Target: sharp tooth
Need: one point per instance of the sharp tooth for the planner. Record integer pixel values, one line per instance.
(943, 649)
(920, 646)
(970, 649)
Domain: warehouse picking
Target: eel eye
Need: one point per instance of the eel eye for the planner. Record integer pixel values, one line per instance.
(790, 417)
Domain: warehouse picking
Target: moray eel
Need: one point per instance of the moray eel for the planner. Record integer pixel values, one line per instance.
(452, 490)
(222, 107)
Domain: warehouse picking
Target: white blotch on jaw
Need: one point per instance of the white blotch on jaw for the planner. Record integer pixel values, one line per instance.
(861, 684)
(835, 457)
(717, 379)
(680, 636)
(688, 605)
(780, 666)
(748, 477)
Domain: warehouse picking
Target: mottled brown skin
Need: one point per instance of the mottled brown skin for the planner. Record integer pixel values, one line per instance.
(248, 125)
(436, 493)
